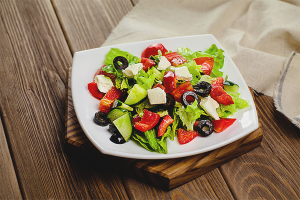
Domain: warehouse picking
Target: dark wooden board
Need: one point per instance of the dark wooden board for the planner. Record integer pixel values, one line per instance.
(9, 187)
(166, 174)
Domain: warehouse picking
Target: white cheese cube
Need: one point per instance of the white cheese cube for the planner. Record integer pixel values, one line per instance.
(183, 73)
(163, 63)
(132, 70)
(157, 96)
(210, 105)
(104, 83)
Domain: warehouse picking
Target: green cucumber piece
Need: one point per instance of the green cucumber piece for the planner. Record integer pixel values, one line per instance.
(120, 104)
(230, 86)
(124, 126)
(116, 113)
(229, 83)
(136, 94)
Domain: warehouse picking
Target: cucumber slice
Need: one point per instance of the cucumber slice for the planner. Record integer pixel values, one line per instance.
(124, 125)
(116, 113)
(136, 94)
(120, 104)
(230, 86)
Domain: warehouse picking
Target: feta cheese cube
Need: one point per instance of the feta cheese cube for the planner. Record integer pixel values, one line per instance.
(163, 63)
(132, 70)
(157, 96)
(183, 73)
(104, 83)
(210, 105)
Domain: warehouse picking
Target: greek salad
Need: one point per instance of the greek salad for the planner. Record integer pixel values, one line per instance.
(164, 95)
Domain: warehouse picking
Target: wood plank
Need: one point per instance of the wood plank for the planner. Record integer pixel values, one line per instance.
(9, 187)
(165, 174)
(34, 57)
(271, 171)
(87, 24)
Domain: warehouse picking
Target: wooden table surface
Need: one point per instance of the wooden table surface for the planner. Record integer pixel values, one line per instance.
(38, 40)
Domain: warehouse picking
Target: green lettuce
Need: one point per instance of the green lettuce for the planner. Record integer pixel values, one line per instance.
(114, 52)
(146, 79)
(175, 125)
(239, 103)
(189, 114)
(213, 51)
(207, 78)
(149, 141)
(190, 55)
(218, 56)
(194, 69)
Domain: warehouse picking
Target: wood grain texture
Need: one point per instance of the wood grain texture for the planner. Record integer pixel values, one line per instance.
(165, 174)
(9, 187)
(88, 23)
(271, 171)
(34, 57)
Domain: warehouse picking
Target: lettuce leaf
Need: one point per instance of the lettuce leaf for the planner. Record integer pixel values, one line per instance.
(194, 69)
(146, 79)
(239, 103)
(114, 52)
(189, 114)
(190, 55)
(218, 56)
(207, 78)
(150, 142)
(174, 127)
(213, 51)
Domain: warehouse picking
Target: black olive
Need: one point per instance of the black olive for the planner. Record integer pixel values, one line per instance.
(170, 101)
(112, 128)
(121, 59)
(186, 94)
(202, 88)
(101, 119)
(117, 138)
(205, 127)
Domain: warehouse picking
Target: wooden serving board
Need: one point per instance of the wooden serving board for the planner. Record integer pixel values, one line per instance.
(166, 174)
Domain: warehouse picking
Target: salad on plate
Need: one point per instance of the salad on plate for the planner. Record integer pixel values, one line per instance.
(164, 95)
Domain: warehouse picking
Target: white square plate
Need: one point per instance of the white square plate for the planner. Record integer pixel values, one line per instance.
(86, 63)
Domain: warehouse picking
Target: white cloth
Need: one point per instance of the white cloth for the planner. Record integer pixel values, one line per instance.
(259, 35)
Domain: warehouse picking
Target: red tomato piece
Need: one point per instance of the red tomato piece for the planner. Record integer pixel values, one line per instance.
(219, 94)
(207, 64)
(169, 81)
(201, 60)
(185, 136)
(136, 119)
(167, 120)
(175, 58)
(223, 123)
(219, 81)
(159, 85)
(182, 88)
(148, 121)
(147, 63)
(93, 89)
(153, 50)
(108, 99)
